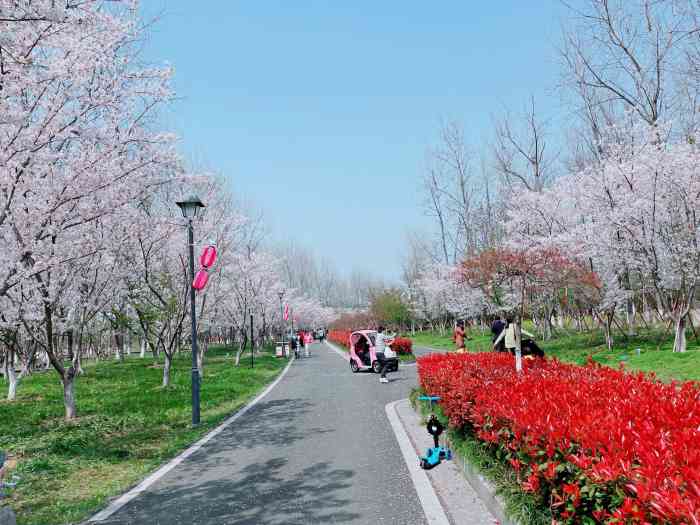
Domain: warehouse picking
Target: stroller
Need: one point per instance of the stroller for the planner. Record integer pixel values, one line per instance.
(529, 347)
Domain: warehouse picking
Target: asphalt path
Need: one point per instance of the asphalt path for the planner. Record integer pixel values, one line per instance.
(317, 449)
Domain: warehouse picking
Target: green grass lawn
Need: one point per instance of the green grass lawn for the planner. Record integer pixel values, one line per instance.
(127, 426)
(655, 350)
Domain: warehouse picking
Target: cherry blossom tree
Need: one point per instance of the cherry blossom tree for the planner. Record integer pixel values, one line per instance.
(631, 213)
(76, 145)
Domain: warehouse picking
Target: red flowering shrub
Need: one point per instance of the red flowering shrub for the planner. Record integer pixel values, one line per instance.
(402, 346)
(595, 442)
(341, 337)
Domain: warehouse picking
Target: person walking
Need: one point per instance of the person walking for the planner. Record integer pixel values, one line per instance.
(384, 352)
(458, 337)
(308, 339)
(293, 344)
(510, 336)
(302, 343)
(496, 328)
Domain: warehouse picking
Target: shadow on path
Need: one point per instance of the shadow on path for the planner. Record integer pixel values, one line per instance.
(257, 494)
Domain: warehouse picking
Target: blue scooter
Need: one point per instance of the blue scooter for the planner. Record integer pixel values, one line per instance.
(436, 454)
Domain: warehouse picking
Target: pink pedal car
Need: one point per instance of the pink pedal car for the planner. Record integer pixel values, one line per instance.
(363, 355)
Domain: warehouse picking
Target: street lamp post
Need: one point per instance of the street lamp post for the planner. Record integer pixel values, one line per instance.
(280, 294)
(189, 208)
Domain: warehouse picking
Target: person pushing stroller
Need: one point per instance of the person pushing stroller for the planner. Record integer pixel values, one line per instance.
(509, 336)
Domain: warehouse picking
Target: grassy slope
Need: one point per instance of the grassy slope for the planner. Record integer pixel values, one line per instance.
(655, 350)
(127, 426)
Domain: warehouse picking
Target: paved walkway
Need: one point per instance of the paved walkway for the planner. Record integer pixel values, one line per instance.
(317, 449)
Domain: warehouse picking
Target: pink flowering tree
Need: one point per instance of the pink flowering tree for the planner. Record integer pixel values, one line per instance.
(76, 145)
(631, 217)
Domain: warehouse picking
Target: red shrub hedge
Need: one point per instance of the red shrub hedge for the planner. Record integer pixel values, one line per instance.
(600, 445)
(341, 337)
(401, 345)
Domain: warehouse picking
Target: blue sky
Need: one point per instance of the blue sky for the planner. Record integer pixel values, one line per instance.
(321, 112)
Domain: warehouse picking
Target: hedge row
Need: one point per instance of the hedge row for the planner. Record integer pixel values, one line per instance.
(599, 445)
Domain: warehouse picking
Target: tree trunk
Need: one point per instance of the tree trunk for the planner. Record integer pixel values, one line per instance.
(201, 349)
(166, 369)
(239, 352)
(78, 355)
(69, 393)
(631, 314)
(679, 342)
(69, 337)
(660, 307)
(547, 325)
(646, 311)
(608, 330)
(11, 375)
(119, 343)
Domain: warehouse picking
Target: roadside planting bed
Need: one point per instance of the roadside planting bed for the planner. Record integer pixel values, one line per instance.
(597, 445)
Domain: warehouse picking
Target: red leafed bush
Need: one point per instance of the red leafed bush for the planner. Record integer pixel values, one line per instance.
(341, 337)
(595, 442)
(402, 346)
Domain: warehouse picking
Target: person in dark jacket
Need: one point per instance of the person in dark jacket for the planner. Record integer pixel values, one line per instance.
(496, 328)
(293, 345)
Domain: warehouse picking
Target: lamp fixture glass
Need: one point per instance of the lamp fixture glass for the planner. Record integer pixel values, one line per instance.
(190, 206)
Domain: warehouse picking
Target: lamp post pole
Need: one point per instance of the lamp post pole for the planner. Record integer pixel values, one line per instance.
(252, 344)
(193, 315)
(189, 208)
(282, 323)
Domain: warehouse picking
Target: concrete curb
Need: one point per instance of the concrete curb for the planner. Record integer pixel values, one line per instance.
(482, 486)
(125, 498)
